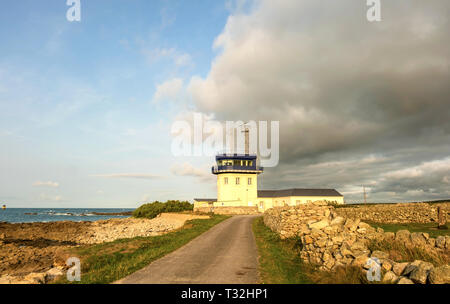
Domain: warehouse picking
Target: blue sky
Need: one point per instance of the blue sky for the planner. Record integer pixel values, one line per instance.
(86, 108)
(76, 98)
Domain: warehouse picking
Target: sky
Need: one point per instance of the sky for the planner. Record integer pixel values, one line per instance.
(87, 108)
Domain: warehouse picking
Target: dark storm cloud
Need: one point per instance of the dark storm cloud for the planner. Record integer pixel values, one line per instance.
(365, 98)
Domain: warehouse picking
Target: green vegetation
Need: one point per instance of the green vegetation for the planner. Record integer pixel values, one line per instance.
(152, 210)
(108, 262)
(401, 253)
(430, 228)
(279, 259)
(280, 262)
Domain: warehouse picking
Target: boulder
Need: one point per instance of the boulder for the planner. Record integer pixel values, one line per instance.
(404, 280)
(54, 273)
(420, 274)
(386, 264)
(440, 275)
(440, 242)
(418, 239)
(319, 225)
(398, 268)
(337, 221)
(411, 267)
(390, 277)
(308, 239)
(380, 254)
(358, 246)
(321, 242)
(36, 278)
(402, 236)
(389, 236)
(360, 261)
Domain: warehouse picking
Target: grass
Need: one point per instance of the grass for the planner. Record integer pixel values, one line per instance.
(279, 261)
(430, 228)
(108, 262)
(401, 253)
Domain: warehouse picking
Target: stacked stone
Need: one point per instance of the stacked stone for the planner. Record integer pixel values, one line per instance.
(395, 213)
(332, 241)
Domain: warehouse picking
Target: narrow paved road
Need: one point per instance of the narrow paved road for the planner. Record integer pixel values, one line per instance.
(226, 254)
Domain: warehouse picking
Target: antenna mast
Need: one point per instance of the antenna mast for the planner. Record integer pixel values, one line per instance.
(365, 197)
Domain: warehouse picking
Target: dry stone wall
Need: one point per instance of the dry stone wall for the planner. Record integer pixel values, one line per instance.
(228, 210)
(330, 240)
(395, 213)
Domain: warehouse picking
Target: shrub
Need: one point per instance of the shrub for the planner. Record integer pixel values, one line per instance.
(151, 210)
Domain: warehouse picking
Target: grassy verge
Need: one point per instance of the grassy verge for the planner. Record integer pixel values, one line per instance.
(430, 228)
(279, 261)
(401, 253)
(108, 262)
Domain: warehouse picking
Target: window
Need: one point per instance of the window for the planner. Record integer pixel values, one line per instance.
(238, 180)
(225, 180)
(249, 180)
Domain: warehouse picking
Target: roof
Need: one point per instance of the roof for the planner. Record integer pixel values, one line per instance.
(205, 199)
(236, 156)
(298, 192)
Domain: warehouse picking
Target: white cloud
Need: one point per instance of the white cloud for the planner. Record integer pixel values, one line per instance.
(345, 90)
(46, 184)
(178, 58)
(129, 175)
(186, 169)
(170, 90)
(50, 198)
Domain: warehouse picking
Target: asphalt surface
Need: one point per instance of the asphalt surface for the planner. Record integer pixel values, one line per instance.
(225, 254)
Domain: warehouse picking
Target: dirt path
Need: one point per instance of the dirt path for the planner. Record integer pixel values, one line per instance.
(226, 254)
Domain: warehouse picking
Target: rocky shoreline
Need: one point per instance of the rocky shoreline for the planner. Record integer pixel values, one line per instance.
(37, 252)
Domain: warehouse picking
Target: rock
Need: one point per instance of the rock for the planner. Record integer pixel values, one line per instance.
(364, 225)
(338, 239)
(398, 268)
(440, 242)
(319, 225)
(361, 230)
(36, 278)
(54, 273)
(390, 277)
(380, 254)
(321, 242)
(386, 264)
(360, 261)
(404, 280)
(411, 267)
(6, 279)
(308, 239)
(337, 221)
(402, 236)
(418, 239)
(380, 230)
(389, 236)
(358, 246)
(440, 275)
(420, 274)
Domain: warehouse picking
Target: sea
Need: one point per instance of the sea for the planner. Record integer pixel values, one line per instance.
(30, 215)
